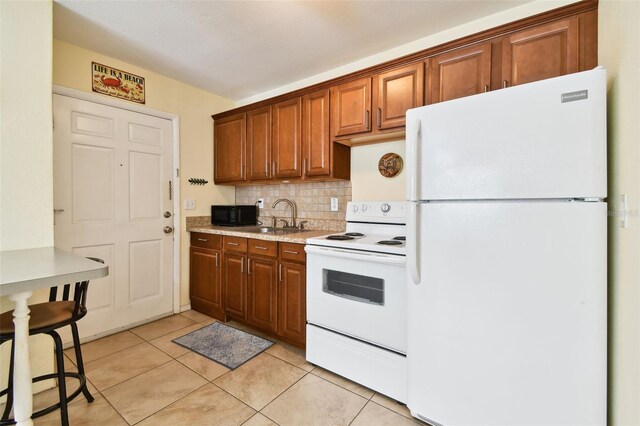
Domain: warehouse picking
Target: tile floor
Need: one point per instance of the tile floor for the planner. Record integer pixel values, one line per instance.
(140, 377)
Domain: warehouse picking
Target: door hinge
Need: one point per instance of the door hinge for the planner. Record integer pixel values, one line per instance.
(53, 121)
(170, 190)
(177, 172)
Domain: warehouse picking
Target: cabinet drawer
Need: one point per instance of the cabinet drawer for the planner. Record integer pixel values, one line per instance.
(210, 241)
(292, 252)
(238, 244)
(263, 248)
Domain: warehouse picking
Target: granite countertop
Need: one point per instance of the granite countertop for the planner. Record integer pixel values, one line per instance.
(238, 231)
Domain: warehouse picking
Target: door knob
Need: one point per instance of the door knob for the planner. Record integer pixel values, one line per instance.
(167, 229)
(167, 214)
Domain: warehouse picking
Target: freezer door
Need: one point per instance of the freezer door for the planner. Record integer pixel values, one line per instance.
(508, 323)
(539, 140)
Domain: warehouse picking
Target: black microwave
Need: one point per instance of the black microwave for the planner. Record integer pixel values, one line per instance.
(233, 215)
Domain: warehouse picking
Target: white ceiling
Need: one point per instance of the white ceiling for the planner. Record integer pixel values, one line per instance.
(239, 49)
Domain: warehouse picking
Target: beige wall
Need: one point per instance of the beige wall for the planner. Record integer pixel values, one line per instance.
(26, 191)
(72, 68)
(619, 52)
(26, 174)
(366, 181)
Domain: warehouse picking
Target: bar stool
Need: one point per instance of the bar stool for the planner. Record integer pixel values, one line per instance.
(46, 318)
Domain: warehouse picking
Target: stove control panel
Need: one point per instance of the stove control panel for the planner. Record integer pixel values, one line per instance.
(377, 211)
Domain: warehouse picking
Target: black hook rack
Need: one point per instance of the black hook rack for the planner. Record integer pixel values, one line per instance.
(197, 181)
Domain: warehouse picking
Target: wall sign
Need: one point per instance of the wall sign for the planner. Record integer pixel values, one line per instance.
(390, 164)
(117, 83)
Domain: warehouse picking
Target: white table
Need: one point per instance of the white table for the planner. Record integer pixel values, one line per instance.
(22, 272)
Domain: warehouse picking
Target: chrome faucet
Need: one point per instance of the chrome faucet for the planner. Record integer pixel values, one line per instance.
(293, 210)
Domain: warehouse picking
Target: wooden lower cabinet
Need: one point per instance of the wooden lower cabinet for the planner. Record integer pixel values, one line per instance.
(205, 279)
(235, 284)
(255, 282)
(262, 293)
(292, 306)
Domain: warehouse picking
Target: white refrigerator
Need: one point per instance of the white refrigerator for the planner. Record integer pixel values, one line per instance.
(506, 256)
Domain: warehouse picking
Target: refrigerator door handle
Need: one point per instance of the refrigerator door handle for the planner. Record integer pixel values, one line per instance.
(413, 242)
(413, 140)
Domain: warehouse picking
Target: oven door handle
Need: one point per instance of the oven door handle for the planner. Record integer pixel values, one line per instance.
(356, 255)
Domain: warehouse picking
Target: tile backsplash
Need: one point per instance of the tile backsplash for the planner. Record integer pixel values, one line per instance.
(313, 202)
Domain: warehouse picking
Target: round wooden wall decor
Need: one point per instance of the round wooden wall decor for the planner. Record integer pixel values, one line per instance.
(390, 164)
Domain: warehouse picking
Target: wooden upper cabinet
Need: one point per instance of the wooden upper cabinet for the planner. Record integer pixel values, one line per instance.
(259, 143)
(351, 107)
(545, 51)
(459, 73)
(229, 146)
(396, 91)
(287, 139)
(316, 141)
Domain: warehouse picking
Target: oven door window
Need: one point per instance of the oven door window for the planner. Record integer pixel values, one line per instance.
(352, 286)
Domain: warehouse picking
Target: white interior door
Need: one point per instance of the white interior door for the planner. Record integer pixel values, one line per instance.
(112, 171)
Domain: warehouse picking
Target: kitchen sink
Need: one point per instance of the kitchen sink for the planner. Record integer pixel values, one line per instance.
(273, 231)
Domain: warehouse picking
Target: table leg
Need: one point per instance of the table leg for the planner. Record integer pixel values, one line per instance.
(22, 385)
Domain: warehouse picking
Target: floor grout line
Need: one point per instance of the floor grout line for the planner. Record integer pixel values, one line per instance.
(104, 356)
(137, 375)
(170, 404)
(282, 393)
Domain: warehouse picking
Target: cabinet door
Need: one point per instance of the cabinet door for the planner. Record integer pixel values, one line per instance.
(235, 284)
(205, 282)
(461, 72)
(545, 51)
(397, 91)
(287, 138)
(229, 149)
(262, 297)
(351, 107)
(315, 134)
(259, 143)
(292, 315)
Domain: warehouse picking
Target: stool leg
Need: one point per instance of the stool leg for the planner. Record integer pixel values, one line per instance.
(79, 361)
(62, 387)
(9, 406)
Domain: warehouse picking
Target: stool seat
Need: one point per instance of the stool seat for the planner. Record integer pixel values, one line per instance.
(43, 315)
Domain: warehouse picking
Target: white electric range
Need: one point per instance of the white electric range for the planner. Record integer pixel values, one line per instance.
(356, 298)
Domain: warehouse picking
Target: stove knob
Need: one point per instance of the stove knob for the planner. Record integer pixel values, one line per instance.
(355, 208)
(385, 208)
(364, 208)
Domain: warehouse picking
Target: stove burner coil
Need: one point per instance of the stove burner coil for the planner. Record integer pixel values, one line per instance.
(340, 237)
(390, 242)
(354, 234)
(400, 238)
